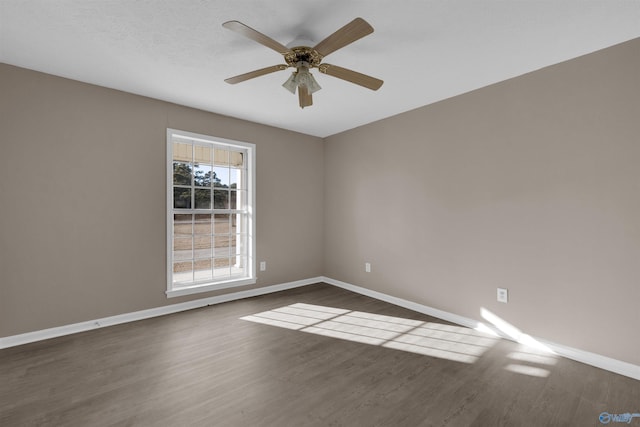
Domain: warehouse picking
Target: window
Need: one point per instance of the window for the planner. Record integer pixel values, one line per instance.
(210, 223)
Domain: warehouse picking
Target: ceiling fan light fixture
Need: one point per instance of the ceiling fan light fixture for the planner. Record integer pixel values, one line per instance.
(301, 77)
(306, 78)
(291, 84)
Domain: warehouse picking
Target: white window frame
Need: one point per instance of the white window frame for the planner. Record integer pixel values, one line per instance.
(249, 278)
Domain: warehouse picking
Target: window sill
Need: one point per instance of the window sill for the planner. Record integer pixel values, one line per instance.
(196, 289)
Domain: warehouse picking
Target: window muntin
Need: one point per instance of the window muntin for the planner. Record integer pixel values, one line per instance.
(210, 213)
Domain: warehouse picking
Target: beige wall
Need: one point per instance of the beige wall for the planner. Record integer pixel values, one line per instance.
(532, 184)
(82, 210)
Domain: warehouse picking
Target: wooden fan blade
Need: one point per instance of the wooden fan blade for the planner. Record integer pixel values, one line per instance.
(257, 36)
(351, 76)
(304, 97)
(351, 32)
(255, 73)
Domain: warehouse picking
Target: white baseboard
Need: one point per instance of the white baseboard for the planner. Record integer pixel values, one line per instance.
(44, 334)
(593, 359)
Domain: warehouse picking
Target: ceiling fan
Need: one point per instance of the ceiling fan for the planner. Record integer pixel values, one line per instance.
(303, 58)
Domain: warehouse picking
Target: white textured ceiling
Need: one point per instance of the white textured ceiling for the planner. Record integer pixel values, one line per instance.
(424, 50)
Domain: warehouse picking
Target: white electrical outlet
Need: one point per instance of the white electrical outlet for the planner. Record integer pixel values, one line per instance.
(367, 267)
(263, 265)
(503, 295)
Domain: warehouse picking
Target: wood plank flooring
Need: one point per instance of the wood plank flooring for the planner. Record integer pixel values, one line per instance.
(208, 367)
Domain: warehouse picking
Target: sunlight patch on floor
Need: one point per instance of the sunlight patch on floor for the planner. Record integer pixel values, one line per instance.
(512, 332)
(531, 371)
(450, 342)
(535, 357)
(531, 361)
(527, 357)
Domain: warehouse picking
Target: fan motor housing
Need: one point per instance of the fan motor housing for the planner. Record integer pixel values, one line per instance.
(303, 54)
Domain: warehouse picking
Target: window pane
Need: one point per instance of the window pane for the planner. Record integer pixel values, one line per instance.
(202, 246)
(182, 224)
(234, 223)
(203, 198)
(221, 268)
(221, 199)
(182, 198)
(202, 224)
(241, 241)
(202, 269)
(233, 204)
(234, 176)
(221, 252)
(183, 271)
(202, 174)
(182, 248)
(222, 245)
(240, 199)
(221, 177)
(181, 173)
(221, 223)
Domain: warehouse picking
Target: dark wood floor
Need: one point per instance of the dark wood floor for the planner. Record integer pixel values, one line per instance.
(209, 367)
